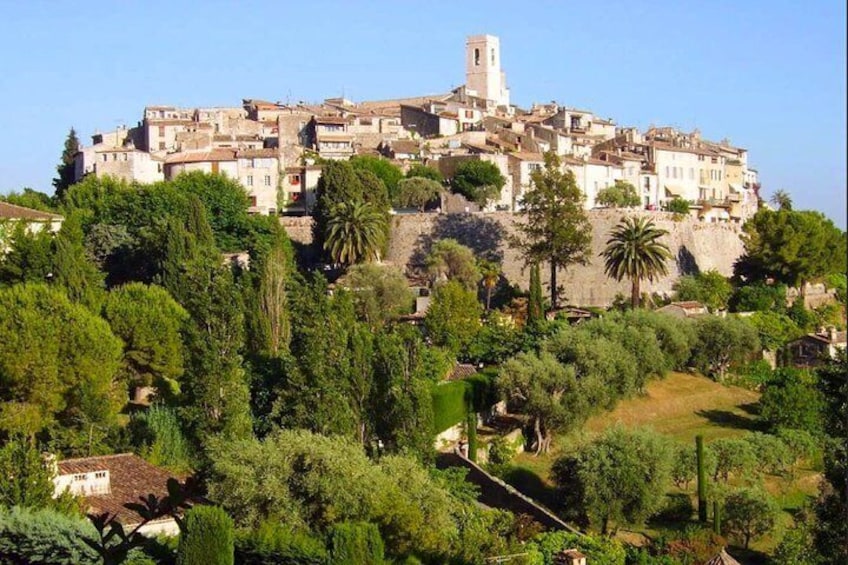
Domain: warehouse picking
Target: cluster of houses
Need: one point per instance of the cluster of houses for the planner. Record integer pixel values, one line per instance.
(273, 148)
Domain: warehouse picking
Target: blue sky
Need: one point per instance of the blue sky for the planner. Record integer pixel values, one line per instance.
(770, 76)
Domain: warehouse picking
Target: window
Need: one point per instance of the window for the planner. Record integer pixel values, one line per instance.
(294, 180)
(666, 172)
(161, 146)
(674, 172)
(493, 56)
(161, 131)
(647, 182)
(124, 156)
(252, 200)
(105, 157)
(267, 180)
(79, 478)
(100, 475)
(294, 196)
(476, 57)
(469, 114)
(114, 156)
(249, 180)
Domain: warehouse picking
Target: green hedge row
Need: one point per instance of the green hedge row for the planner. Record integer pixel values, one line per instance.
(452, 399)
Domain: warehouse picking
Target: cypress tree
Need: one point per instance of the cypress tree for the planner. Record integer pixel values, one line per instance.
(535, 307)
(208, 537)
(74, 269)
(702, 479)
(197, 223)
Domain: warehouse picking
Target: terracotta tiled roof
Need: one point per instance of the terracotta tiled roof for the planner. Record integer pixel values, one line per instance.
(130, 478)
(688, 305)
(202, 156)
(527, 156)
(12, 212)
(723, 558)
(461, 371)
(403, 146)
(256, 153)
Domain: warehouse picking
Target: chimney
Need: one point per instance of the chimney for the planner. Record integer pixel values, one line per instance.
(831, 334)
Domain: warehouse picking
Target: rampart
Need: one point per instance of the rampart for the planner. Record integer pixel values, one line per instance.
(695, 246)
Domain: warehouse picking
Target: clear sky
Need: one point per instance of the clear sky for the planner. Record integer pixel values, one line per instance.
(768, 75)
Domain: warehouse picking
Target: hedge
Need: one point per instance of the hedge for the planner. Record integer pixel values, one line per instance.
(451, 400)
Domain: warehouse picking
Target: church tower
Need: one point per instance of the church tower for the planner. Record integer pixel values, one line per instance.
(483, 75)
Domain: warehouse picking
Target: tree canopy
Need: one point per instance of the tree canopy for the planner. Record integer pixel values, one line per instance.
(478, 181)
(555, 229)
(791, 247)
(622, 194)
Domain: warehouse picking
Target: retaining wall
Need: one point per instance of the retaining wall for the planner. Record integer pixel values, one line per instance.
(695, 246)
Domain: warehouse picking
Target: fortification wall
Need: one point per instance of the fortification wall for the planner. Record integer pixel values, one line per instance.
(695, 246)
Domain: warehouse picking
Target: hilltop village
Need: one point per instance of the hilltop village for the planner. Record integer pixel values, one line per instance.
(275, 149)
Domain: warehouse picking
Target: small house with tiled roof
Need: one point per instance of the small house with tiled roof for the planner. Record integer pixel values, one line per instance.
(815, 348)
(106, 483)
(34, 220)
(685, 309)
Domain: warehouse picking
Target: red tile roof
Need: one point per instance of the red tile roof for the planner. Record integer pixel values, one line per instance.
(202, 156)
(12, 212)
(130, 478)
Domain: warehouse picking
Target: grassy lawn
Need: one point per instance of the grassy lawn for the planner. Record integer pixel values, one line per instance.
(681, 407)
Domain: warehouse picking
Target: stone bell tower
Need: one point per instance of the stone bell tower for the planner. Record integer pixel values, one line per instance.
(483, 75)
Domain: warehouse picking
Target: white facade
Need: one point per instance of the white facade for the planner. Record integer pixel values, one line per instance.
(483, 73)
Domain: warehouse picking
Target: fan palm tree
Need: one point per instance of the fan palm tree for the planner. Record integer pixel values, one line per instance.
(355, 232)
(491, 272)
(634, 251)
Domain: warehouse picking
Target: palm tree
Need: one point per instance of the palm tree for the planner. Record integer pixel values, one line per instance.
(634, 251)
(491, 272)
(782, 200)
(355, 231)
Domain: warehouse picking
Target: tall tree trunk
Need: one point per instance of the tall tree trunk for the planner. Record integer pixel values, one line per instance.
(634, 293)
(553, 285)
(488, 298)
(540, 438)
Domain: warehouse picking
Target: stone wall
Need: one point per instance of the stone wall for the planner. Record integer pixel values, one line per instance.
(695, 246)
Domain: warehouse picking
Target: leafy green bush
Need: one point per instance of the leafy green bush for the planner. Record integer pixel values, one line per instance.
(599, 550)
(208, 537)
(44, 537)
(165, 444)
(678, 508)
(274, 544)
(678, 206)
(356, 543)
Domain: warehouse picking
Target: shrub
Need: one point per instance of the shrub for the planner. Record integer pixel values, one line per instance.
(208, 537)
(678, 206)
(44, 537)
(678, 508)
(356, 543)
(500, 451)
(599, 550)
(273, 544)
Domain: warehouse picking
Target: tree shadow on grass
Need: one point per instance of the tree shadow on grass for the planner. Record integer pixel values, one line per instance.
(752, 408)
(531, 484)
(728, 419)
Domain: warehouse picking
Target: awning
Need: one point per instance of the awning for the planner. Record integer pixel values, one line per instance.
(673, 190)
(735, 188)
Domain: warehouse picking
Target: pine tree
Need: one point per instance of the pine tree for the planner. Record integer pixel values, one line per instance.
(65, 168)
